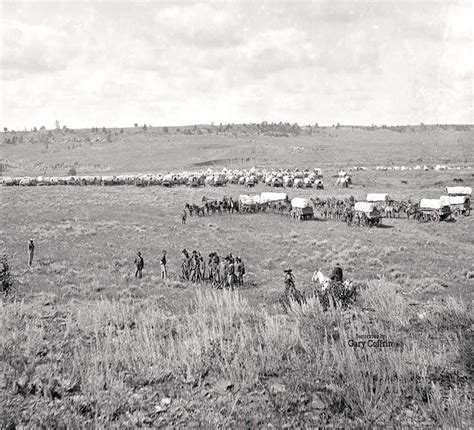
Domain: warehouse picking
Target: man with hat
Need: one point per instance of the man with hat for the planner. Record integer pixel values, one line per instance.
(289, 278)
(140, 264)
(164, 272)
(291, 293)
(336, 274)
(31, 252)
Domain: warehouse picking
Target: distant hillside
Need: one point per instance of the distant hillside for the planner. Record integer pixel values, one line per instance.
(151, 149)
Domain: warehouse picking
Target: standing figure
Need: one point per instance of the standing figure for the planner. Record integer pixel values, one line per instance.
(164, 272)
(140, 264)
(184, 216)
(240, 269)
(202, 268)
(193, 267)
(230, 273)
(31, 252)
(184, 264)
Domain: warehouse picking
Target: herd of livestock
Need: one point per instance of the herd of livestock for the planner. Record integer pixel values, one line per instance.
(456, 202)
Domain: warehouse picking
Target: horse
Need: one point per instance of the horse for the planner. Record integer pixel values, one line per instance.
(193, 208)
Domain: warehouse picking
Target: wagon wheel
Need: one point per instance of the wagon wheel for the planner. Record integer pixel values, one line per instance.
(435, 217)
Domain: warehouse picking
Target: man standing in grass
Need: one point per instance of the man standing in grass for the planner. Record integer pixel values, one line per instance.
(140, 264)
(31, 252)
(164, 273)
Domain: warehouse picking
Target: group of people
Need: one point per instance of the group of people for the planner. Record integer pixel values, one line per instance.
(227, 272)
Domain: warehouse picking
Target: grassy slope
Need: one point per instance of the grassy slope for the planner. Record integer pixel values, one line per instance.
(112, 348)
(138, 151)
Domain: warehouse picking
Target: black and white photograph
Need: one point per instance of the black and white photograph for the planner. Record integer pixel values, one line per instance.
(240, 214)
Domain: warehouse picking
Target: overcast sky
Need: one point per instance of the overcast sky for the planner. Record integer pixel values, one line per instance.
(174, 63)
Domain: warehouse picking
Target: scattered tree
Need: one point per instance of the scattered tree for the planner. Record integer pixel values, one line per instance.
(145, 128)
(5, 129)
(165, 129)
(42, 127)
(72, 171)
(121, 130)
(136, 125)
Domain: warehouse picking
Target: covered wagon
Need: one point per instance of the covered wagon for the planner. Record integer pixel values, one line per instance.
(433, 210)
(168, 180)
(250, 181)
(459, 205)
(301, 209)
(272, 197)
(8, 181)
(459, 191)
(378, 197)
(367, 213)
(249, 204)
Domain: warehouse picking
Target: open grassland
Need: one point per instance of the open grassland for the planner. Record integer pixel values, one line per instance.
(89, 345)
(136, 151)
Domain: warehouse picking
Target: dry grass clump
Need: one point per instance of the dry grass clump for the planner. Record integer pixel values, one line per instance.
(100, 360)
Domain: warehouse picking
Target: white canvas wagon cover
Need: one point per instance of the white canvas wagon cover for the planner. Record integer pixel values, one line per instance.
(366, 207)
(300, 202)
(377, 197)
(454, 200)
(272, 197)
(248, 200)
(431, 204)
(463, 191)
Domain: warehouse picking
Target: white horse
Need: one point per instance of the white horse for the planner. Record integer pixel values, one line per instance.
(322, 279)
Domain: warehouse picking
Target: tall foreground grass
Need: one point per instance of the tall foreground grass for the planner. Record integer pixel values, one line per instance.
(98, 361)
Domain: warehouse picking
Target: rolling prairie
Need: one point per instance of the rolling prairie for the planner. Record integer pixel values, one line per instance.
(86, 343)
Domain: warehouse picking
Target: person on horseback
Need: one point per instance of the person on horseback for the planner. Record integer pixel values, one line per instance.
(291, 293)
(336, 274)
(289, 278)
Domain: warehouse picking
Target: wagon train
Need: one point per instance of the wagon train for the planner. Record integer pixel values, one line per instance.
(433, 210)
(367, 213)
